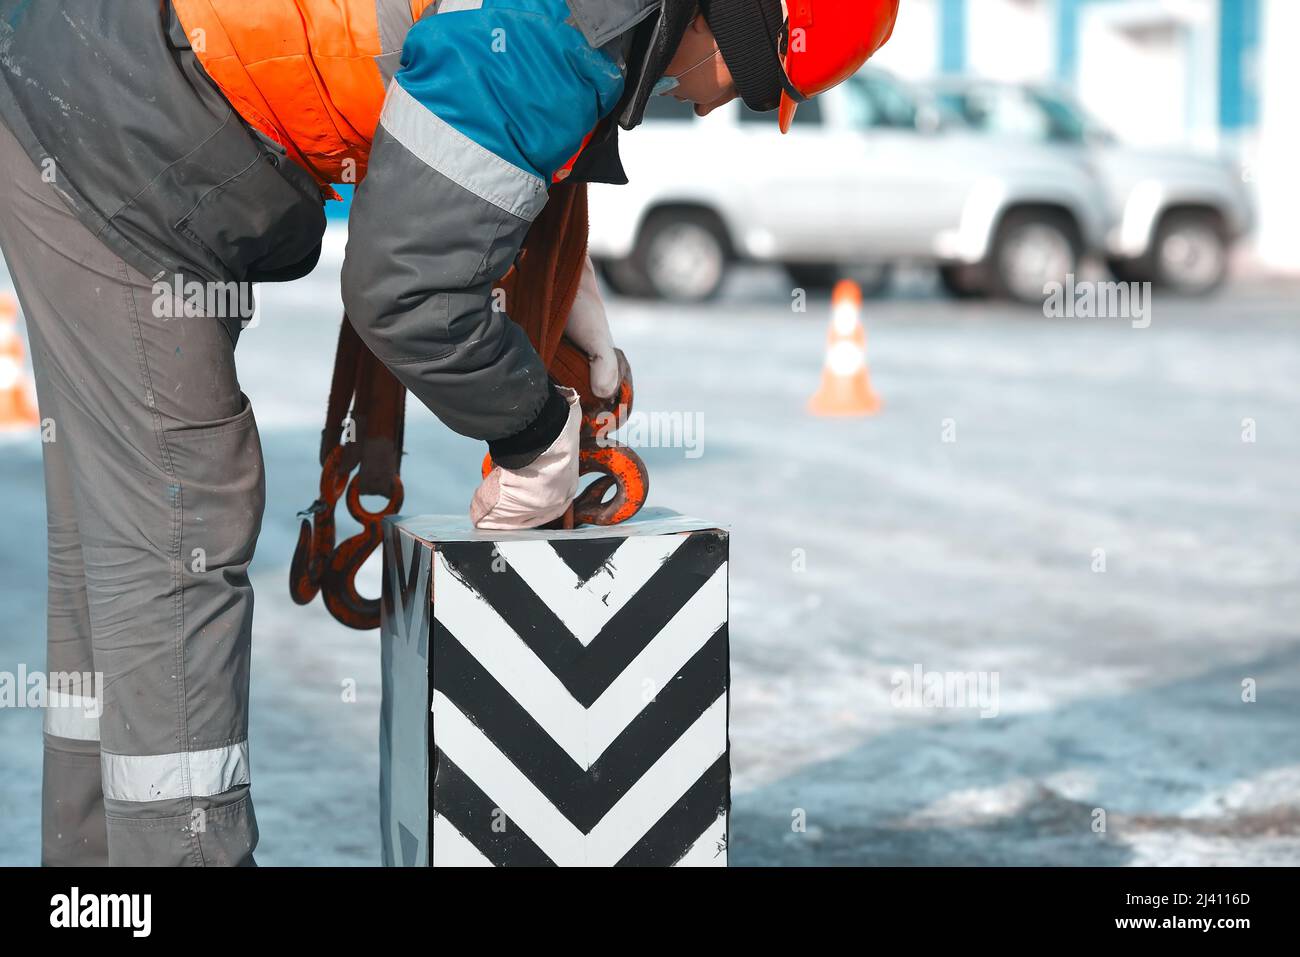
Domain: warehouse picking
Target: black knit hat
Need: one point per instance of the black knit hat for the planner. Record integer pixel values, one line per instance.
(749, 35)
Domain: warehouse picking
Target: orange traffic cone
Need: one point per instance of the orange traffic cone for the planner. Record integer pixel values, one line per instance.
(846, 384)
(16, 407)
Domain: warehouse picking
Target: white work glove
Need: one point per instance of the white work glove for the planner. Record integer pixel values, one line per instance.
(541, 491)
(588, 328)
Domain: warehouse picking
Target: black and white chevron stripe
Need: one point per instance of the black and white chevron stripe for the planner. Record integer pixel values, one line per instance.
(579, 702)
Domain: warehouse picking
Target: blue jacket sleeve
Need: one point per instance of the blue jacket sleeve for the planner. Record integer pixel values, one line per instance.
(487, 105)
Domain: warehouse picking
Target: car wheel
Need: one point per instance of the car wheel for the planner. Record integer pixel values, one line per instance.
(1033, 248)
(683, 255)
(623, 277)
(964, 282)
(1190, 253)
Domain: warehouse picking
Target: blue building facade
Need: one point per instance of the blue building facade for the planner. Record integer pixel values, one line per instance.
(1236, 23)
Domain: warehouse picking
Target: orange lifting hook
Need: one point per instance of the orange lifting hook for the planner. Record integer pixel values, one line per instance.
(619, 468)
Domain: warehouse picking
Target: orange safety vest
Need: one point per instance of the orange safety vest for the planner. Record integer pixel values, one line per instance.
(302, 72)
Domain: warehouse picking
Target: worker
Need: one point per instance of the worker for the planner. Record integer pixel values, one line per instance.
(150, 146)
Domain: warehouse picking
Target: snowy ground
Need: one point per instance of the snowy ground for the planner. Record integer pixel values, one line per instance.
(861, 549)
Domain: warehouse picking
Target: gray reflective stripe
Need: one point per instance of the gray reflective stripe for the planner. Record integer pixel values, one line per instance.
(395, 22)
(602, 20)
(72, 716)
(163, 777)
(388, 64)
(455, 6)
(394, 17)
(444, 148)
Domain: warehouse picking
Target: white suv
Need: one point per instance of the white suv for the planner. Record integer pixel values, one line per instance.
(1176, 215)
(871, 174)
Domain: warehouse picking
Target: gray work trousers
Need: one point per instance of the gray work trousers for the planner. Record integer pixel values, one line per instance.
(154, 490)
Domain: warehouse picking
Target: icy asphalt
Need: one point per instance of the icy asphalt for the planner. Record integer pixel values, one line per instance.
(861, 550)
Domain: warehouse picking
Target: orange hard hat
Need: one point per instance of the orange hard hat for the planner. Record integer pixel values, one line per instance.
(827, 41)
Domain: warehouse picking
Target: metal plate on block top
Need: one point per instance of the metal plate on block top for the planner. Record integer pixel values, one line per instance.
(457, 528)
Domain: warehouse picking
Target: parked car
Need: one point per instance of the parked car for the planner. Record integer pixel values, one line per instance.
(1176, 214)
(872, 173)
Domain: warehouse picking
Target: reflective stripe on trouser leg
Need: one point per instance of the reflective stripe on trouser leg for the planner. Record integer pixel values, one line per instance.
(72, 716)
(165, 777)
(165, 463)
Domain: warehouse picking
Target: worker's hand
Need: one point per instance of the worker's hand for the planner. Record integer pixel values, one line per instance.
(588, 328)
(541, 491)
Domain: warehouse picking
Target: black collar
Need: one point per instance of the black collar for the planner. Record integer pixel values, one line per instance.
(647, 50)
